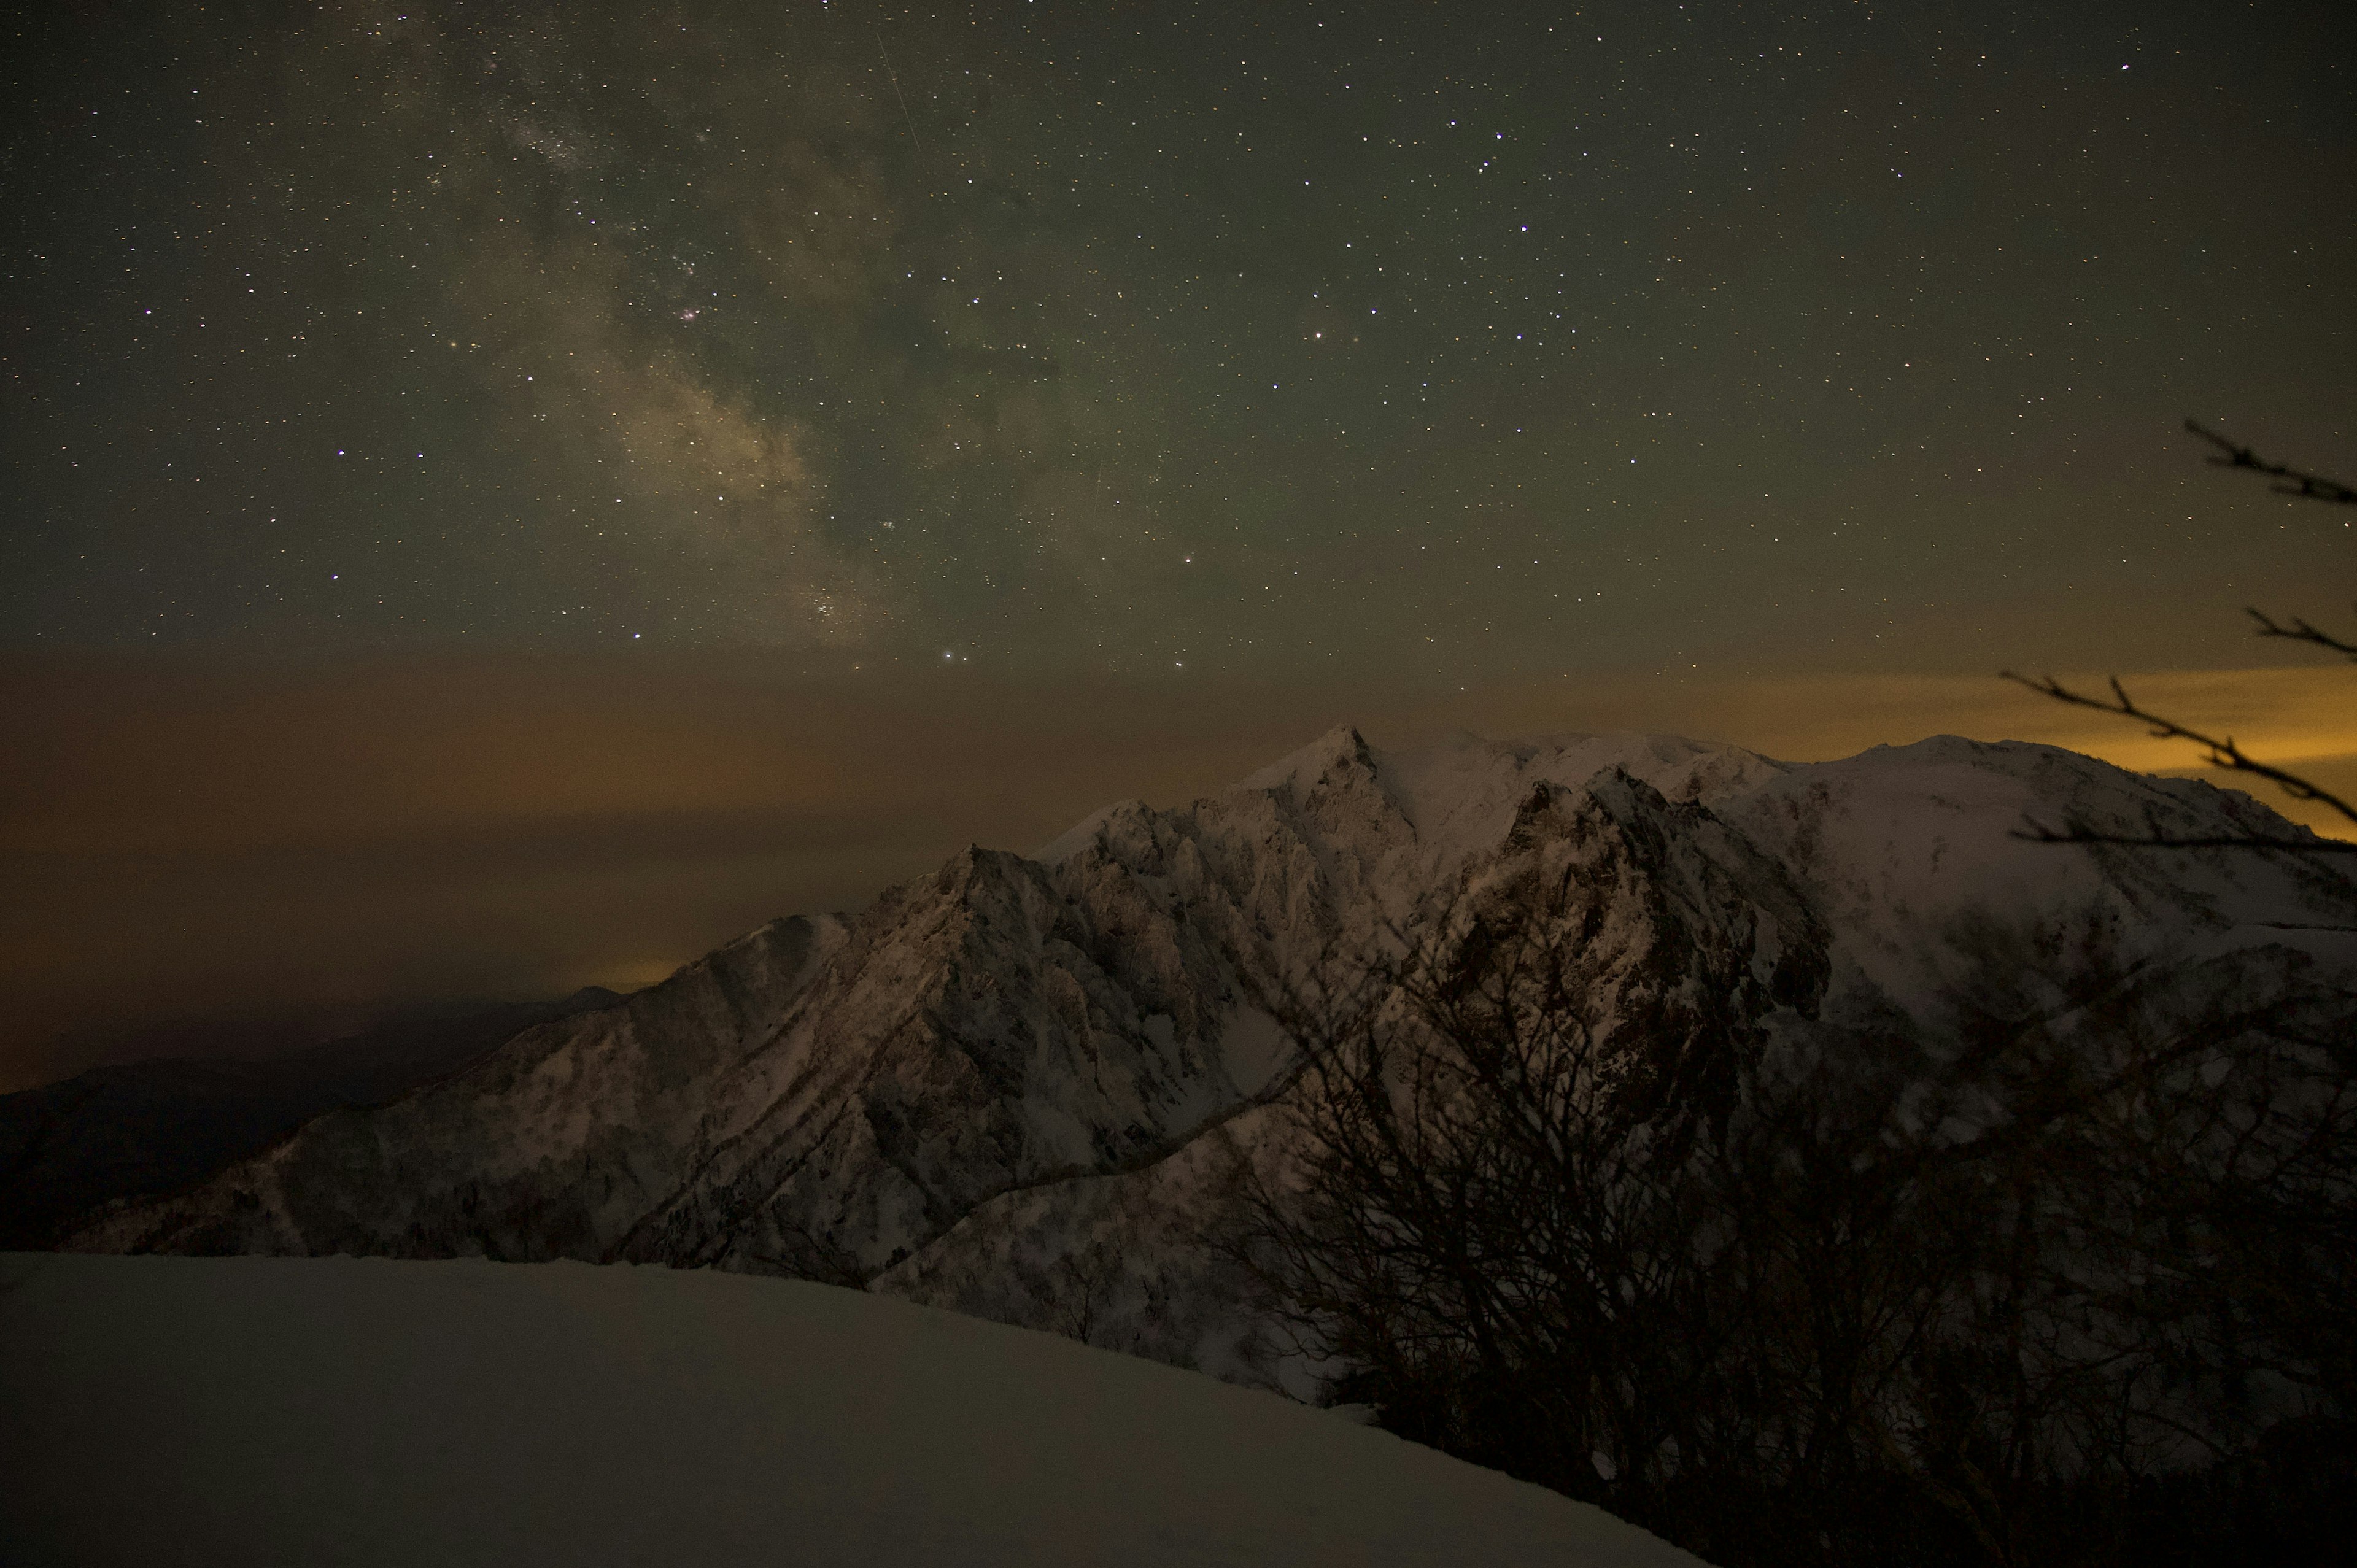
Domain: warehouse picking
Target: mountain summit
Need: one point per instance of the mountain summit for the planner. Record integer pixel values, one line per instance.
(1023, 1086)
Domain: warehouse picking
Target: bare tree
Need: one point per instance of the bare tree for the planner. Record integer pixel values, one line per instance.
(1999, 1292)
(2221, 750)
(1483, 1228)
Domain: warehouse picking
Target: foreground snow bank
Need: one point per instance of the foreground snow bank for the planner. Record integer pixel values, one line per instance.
(163, 1411)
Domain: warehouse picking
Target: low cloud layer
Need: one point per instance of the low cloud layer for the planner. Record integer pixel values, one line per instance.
(276, 854)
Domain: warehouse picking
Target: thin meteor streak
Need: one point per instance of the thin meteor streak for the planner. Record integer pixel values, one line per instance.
(894, 80)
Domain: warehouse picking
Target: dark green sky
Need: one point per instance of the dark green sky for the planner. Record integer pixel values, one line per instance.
(1465, 342)
(500, 496)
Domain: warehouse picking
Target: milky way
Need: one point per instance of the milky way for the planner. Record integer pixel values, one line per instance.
(1464, 341)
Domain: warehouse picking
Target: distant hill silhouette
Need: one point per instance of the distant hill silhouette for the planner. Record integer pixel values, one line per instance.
(144, 1128)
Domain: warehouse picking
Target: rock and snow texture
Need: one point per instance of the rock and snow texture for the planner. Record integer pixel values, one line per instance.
(1023, 1086)
(202, 1411)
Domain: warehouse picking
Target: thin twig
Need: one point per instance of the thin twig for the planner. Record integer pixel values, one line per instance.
(2313, 487)
(2223, 753)
(2300, 631)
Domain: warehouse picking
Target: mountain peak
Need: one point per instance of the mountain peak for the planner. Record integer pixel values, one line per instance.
(1342, 746)
(962, 1092)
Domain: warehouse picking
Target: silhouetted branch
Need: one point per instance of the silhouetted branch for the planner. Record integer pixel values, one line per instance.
(2223, 753)
(2300, 631)
(2313, 487)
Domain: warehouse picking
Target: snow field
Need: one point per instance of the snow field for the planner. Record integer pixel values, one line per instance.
(161, 1410)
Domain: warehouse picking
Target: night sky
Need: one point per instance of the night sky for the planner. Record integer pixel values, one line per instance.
(1117, 356)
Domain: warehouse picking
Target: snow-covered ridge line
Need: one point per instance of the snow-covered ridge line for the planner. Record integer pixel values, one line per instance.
(1021, 1071)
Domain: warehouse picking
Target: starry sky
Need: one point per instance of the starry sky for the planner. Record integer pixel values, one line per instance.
(1247, 365)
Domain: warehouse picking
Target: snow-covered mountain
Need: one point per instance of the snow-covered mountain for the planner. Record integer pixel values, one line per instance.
(1025, 1087)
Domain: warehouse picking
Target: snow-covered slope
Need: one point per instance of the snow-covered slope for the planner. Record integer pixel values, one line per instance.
(1022, 1086)
(168, 1411)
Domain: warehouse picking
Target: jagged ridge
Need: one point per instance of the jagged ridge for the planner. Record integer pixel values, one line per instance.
(1017, 1086)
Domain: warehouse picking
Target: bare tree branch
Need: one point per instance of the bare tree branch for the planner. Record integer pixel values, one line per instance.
(2223, 753)
(2313, 487)
(2300, 631)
